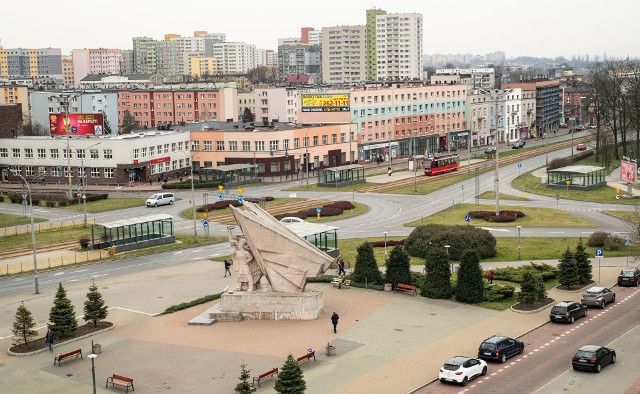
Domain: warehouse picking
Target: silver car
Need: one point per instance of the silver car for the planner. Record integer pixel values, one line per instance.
(598, 296)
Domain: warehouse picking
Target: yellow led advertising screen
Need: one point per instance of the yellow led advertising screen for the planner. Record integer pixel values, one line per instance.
(337, 102)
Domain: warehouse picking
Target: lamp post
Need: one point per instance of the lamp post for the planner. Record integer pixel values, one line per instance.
(193, 194)
(385, 243)
(64, 100)
(84, 181)
(446, 247)
(518, 230)
(33, 234)
(93, 370)
(495, 95)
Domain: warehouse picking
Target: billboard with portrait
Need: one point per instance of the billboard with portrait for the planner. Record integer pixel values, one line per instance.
(76, 124)
(333, 102)
(628, 172)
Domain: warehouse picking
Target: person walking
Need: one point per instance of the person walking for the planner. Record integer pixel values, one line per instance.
(49, 339)
(227, 265)
(490, 276)
(341, 270)
(334, 321)
(389, 170)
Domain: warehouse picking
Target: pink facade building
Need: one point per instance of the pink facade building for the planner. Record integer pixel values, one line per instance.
(95, 61)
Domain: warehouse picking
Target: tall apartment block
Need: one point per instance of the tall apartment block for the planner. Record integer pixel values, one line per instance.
(300, 60)
(343, 54)
(399, 46)
(94, 61)
(144, 55)
(40, 62)
(372, 70)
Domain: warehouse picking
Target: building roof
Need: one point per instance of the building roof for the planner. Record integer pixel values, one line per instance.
(343, 168)
(297, 79)
(578, 169)
(136, 220)
(304, 229)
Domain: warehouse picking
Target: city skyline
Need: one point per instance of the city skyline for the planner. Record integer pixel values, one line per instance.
(570, 28)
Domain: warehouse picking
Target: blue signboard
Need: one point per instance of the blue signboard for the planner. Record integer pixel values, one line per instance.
(627, 242)
(220, 196)
(599, 253)
(318, 210)
(519, 165)
(467, 218)
(205, 222)
(240, 199)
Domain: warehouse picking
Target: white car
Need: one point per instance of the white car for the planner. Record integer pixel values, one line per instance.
(462, 369)
(161, 199)
(292, 219)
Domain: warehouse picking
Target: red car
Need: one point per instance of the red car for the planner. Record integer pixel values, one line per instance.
(581, 147)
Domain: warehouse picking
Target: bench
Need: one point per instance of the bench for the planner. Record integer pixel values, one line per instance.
(402, 288)
(60, 357)
(307, 357)
(264, 376)
(121, 381)
(345, 284)
(336, 281)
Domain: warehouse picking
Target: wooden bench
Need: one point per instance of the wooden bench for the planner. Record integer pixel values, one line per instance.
(402, 288)
(60, 357)
(345, 284)
(307, 357)
(265, 375)
(122, 381)
(336, 281)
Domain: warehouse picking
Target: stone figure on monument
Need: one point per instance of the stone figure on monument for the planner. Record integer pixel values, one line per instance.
(248, 273)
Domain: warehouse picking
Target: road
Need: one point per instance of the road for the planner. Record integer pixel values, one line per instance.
(548, 352)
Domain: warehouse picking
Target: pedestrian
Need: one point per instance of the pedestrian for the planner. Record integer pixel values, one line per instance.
(389, 170)
(227, 264)
(341, 270)
(334, 321)
(490, 276)
(150, 181)
(49, 339)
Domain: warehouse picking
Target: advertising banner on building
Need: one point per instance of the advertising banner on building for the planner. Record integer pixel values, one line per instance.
(76, 124)
(335, 102)
(628, 171)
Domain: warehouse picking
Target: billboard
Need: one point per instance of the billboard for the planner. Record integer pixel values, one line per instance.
(333, 102)
(78, 124)
(628, 171)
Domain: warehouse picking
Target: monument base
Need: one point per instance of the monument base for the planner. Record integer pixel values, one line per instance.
(263, 304)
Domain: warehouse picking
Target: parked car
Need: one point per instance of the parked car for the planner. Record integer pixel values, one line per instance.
(592, 126)
(564, 126)
(291, 219)
(629, 277)
(598, 296)
(581, 147)
(518, 144)
(580, 127)
(462, 369)
(593, 358)
(161, 199)
(567, 311)
(499, 348)
(490, 150)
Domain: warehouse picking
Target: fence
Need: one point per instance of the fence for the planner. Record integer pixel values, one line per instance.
(43, 227)
(52, 261)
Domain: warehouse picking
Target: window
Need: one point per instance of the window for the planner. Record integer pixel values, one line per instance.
(16, 153)
(173, 147)
(305, 141)
(4, 152)
(195, 145)
(108, 172)
(66, 154)
(28, 153)
(144, 152)
(219, 145)
(28, 171)
(93, 153)
(42, 153)
(342, 137)
(324, 140)
(334, 138)
(55, 171)
(107, 154)
(166, 148)
(207, 145)
(296, 143)
(174, 165)
(152, 151)
(136, 153)
(259, 146)
(95, 172)
(315, 140)
(273, 145)
(233, 146)
(275, 167)
(246, 146)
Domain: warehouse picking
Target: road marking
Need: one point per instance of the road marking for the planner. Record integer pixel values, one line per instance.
(555, 232)
(58, 273)
(77, 272)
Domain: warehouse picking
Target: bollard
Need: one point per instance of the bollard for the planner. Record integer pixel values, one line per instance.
(331, 350)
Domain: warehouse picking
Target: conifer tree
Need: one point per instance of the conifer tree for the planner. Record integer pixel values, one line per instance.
(94, 307)
(290, 379)
(62, 315)
(583, 263)
(398, 267)
(528, 288)
(437, 282)
(366, 268)
(24, 324)
(244, 387)
(470, 287)
(567, 270)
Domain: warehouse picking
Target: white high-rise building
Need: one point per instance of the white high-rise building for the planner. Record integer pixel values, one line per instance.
(315, 37)
(343, 54)
(399, 46)
(234, 57)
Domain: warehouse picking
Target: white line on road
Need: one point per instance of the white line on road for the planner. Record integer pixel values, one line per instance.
(58, 273)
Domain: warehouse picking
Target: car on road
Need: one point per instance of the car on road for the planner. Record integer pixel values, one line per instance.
(598, 296)
(567, 311)
(593, 358)
(593, 126)
(461, 369)
(581, 147)
(564, 126)
(580, 127)
(499, 348)
(490, 150)
(291, 219)
(161, 199)
(518, 144)
(629, 277)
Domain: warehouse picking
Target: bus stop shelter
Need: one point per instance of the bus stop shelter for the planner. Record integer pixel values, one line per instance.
(322, 236)
(576, 177)
(341, 176)
(230, 174)
(133, 233)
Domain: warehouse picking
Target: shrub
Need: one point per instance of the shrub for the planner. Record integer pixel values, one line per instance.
(97, 197)
(15, 198)
(62, 203)
(366, 269)
(344, 205)
(498, 292)
(185, 305)
(511, 274)
(390, 242)
(614, 242)
(84, 241)
(218, 205)
(470, 286)
(417, 279)
(500, 218)
(398, 267)
(51, 204)
(559, 163)
(597, 239)
(35, 201)
(437, 283)
(528, 288)
(1, 197)
(460, 238)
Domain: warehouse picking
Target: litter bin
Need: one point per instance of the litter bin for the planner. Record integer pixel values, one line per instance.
(387, 287)
(331, 350)
(97, 348)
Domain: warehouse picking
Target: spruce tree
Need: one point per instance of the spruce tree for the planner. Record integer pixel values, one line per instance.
(290, 379)
(244, 387)
(568, 272)
(470, 287)
(62, 315)
(528, 288)
(541, 290)
(24, 324)
(366, 268)
(437, 282)
(583, 263)
(94, 307)
(398, 267)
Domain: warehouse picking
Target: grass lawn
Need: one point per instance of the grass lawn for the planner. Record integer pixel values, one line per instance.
(629, 216)
(533, 217)
(492, 196)
(8, 220)
(433, 184)
(45, 238)
(358, 210)
(188, 213)
(110, 204)
(316, 188)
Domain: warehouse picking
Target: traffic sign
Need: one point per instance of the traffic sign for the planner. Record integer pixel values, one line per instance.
(519, 165)
(568, 182)
(240, 199)
(220, 196)
(617, 196)
(74, 129)
(557, 196)
(627, 242)
(240, 191)
(599, 253)
(467, 218)
(220, 187)
(318, 210)
(617, 191)
(205, 222)
(204, 215)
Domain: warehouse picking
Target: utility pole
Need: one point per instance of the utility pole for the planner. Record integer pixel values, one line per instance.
(64, 101)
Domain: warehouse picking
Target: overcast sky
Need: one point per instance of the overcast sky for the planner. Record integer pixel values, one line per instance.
(536, 28)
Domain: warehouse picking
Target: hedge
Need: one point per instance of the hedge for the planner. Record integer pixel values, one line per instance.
(514, 274)
(498, 292)
(50, 199)
(185, 305)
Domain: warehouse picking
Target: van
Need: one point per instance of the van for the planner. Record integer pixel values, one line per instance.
(161, 199)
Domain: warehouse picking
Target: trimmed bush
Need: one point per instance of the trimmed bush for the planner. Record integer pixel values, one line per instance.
(559, 163)
(512, 274)
(460, 238)
(390, 242)
(470, 286)
(366, 269)
(185, 305)
(84, 241)
(344, 205)
(437, 283)
(498, 292)
(398, 267)
(614, 242)
(597, 239)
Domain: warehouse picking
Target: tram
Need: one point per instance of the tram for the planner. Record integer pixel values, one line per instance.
(441, 164)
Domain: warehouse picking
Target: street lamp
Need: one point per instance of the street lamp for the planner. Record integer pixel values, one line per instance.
(385, 243)
(33, 234)
(84, 181)
(518, 231)
(496, 95)
(93, 370)
(193, 195)
(446, 247)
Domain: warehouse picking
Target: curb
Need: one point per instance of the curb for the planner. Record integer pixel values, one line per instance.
(61, 343)
(533, 311)
(575, 291)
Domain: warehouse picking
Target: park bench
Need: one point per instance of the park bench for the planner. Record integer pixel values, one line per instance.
(122, 381)
(307, 357)
(336, 281)
(408, 289)
(264, 376)
(60, 357)
(345, 284)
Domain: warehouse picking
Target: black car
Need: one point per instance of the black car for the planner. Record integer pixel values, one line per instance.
(629, 277)
(518, 144)
(567, 311)
(499, 348)
(490, 150)
(593, 358)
